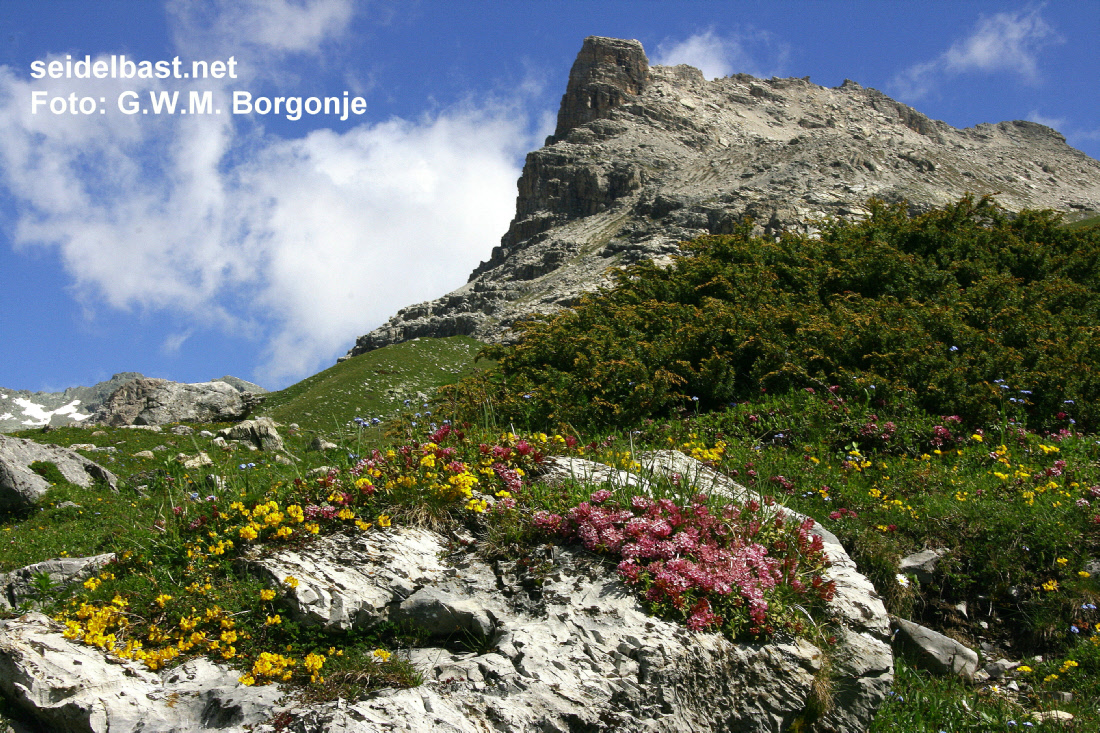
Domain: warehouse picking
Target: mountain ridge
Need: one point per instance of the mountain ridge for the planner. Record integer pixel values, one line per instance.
(644, 157)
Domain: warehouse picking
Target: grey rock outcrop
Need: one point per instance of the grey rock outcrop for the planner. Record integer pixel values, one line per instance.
(18, 586)
(260, 432)
(20, 487)
(150, 401)
(72, 688)
(559, 643)
(644, 157)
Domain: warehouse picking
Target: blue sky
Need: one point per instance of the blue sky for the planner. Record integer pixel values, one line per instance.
(193, 246)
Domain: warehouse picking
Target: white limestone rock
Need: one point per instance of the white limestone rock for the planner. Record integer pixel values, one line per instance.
(72, 688)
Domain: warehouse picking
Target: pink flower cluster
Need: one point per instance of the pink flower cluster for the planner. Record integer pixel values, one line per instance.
(690, 559)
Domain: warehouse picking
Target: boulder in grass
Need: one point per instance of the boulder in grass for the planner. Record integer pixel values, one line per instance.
(261, 433)
(935, 652)
(21, 487)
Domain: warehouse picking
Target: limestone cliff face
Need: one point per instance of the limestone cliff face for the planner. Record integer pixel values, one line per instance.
(644, 157)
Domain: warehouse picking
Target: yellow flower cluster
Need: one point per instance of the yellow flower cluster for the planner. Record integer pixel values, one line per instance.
(313, 663)
(698, 449)
(103, 626)
(268, 668)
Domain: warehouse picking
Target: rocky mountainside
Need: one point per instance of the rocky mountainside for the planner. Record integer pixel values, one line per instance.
(644, 157)
(21, 409)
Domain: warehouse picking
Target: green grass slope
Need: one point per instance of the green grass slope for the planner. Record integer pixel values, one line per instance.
(375, 384)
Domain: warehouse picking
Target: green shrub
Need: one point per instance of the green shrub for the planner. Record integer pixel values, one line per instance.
(966, 310)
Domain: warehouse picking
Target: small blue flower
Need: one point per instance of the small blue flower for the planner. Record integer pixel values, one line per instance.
(1074, 629)
(527, 396)
(243, 466)
(778, 436)
(694, 399)
(1025, 391)
(194, 496)
(1004, 386)
(954, 348)
(1069, 402)
(414, 425)
(407, 402)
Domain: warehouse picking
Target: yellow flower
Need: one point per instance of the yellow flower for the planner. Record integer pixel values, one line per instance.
(1050, 585)
(1084, 573)
(346, 514)
(267, 594)
(273, 620)
(382, 654)
(1023, 669)
(291, 581)
(1061, 561)
(162, 599)
(977, 437)
(383, 520)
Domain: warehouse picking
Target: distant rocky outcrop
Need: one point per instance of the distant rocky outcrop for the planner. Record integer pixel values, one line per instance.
(644, 157)
(149, 401)
(21, 409)
(21, 487)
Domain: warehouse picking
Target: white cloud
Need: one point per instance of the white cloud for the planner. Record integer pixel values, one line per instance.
(305, 243)
(1004, 42)
(174, 341)
(280, 26)
(754, 52)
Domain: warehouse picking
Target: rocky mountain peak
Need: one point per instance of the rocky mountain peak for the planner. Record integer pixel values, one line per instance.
(607, 73)
(647, 156)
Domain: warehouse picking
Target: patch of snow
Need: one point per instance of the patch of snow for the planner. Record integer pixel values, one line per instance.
(7, 416)
(39, 415)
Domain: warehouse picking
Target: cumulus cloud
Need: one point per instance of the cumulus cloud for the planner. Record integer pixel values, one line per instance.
(303, 243)
(1004, 42)
(751, 51)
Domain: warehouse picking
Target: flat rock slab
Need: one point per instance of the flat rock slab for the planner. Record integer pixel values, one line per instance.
(73, 688)
(20, 487)
(353, 580)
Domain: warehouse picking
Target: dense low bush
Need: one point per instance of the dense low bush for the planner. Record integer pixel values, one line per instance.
(966, 311)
